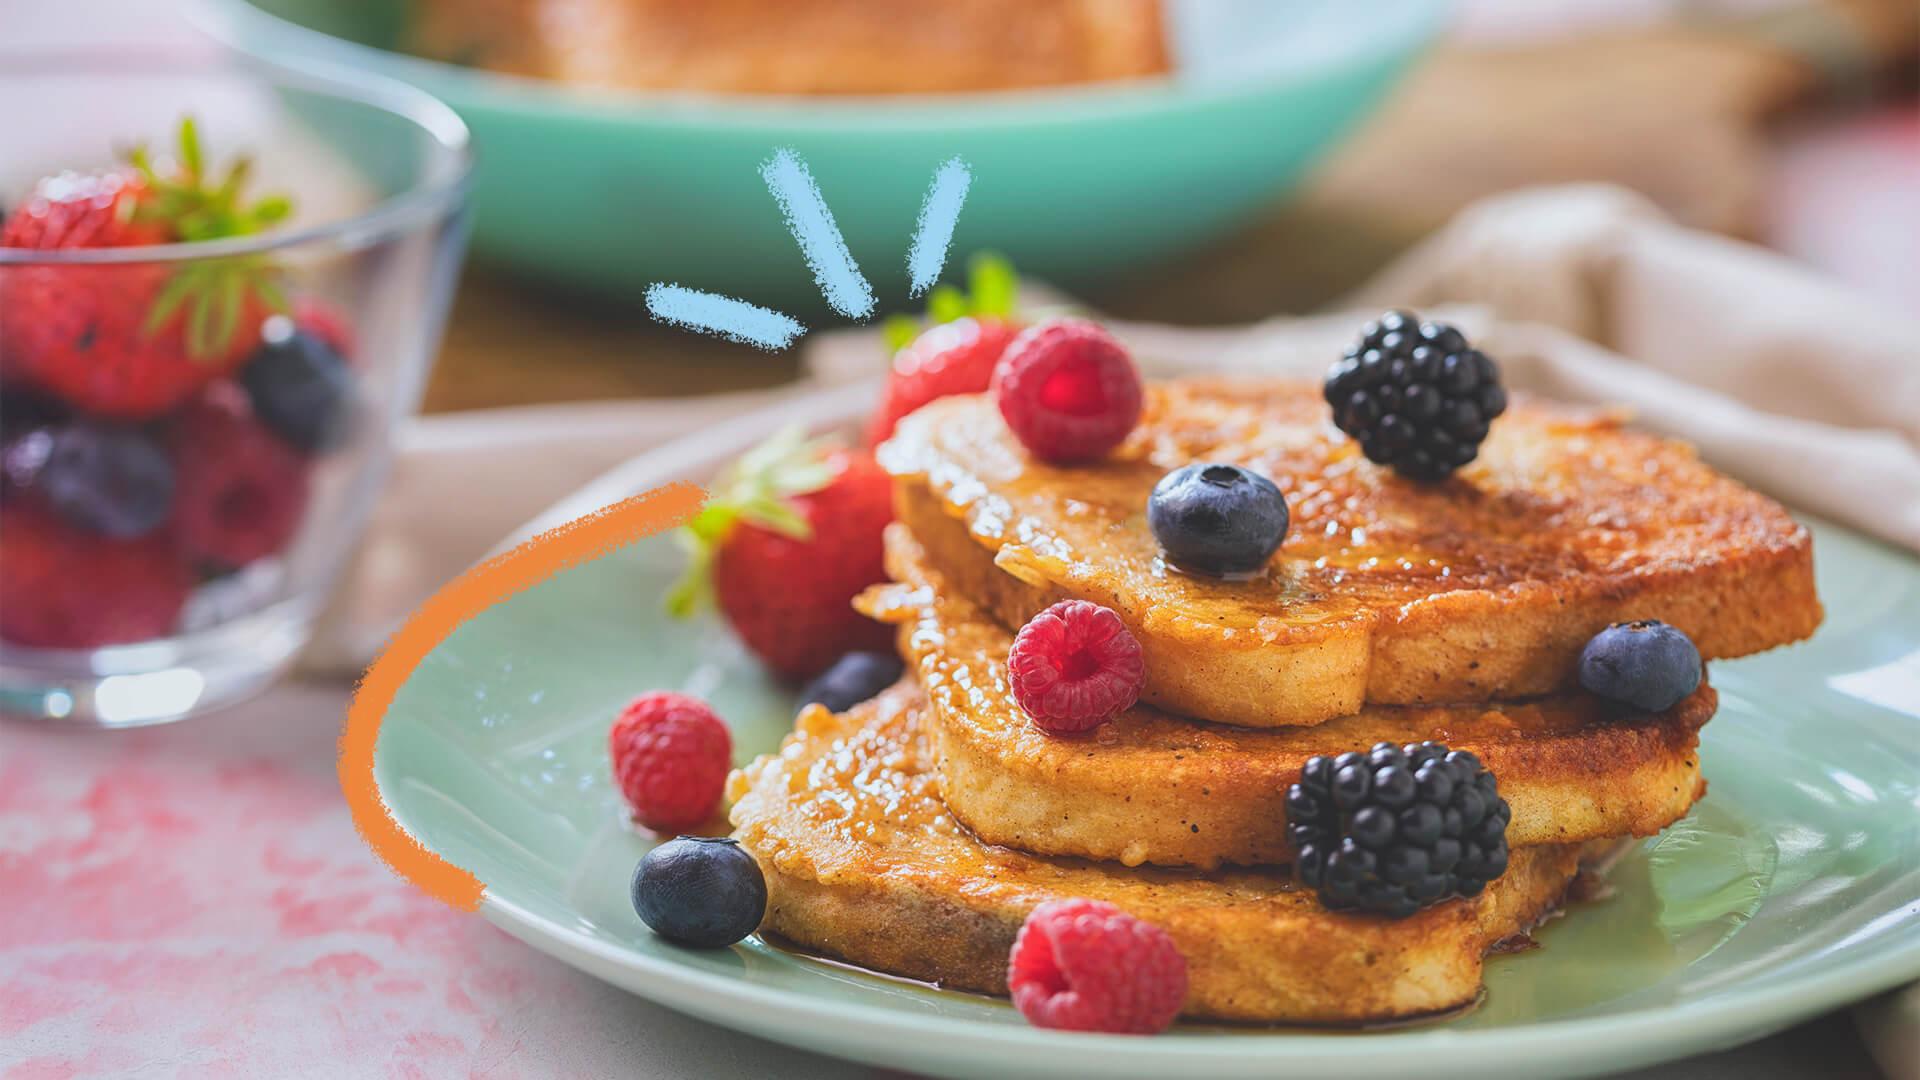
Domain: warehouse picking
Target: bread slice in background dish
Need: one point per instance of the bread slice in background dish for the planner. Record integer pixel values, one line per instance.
(1480, 588)
(853, 47)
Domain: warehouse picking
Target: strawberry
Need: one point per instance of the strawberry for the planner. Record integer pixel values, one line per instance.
(80, 210)
(791, 536)
(956, 353)
(949, 358)
(84, 334)
(132, 340)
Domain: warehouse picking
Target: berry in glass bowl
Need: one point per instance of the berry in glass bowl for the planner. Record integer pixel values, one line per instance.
(220, 290)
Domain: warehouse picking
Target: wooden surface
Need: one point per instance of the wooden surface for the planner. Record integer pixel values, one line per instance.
(509, 343)
(1683, 113)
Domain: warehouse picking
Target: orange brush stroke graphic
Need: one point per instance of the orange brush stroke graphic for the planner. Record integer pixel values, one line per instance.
(468, 595)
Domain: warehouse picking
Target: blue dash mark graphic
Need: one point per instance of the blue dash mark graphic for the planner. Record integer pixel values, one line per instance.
(735, 320)
(934, 234)
(813, 228)
(825, 250)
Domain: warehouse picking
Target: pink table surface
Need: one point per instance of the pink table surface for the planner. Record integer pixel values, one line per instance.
(193, 901)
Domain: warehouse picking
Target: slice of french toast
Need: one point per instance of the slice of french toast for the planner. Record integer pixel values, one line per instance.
(1385, 591)
(800, 46)
(863, 863)
(1148, 787)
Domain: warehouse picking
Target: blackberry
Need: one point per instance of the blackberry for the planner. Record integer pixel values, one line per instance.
(1415, 396)
(1396, 829)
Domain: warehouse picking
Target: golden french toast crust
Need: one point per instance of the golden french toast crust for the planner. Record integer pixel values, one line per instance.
(863, 864)
(1570, 768)
(1326, 678)
(832, 47)
(1540, 570)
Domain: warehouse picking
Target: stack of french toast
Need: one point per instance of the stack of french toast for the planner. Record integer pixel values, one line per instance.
(1417, 618)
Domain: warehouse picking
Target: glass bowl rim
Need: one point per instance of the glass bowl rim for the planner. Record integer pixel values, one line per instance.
(393, 215)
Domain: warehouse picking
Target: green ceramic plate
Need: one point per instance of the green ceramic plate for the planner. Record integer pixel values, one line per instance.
(1793, 888)
(607, 191)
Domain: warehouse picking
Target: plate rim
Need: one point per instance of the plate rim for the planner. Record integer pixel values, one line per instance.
(1582, 1044)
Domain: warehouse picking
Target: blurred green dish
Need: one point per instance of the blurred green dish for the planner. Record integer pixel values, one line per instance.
(607, 191)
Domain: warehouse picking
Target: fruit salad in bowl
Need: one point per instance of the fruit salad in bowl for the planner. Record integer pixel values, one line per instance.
(220, 290)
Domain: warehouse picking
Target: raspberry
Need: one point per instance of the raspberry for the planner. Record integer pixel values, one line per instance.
(1068, 390)
(1084, 965)
(670, 757)
(62, 587)
(1075, 666)
(240, 491)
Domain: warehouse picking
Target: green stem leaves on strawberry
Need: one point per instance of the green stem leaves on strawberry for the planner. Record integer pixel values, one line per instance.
(793, 533)
(212, 296)
(993, 291)
(756, 489)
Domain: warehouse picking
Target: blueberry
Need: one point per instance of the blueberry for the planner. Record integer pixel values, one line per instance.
(704, 892)
(1647, 664)
(852, 679)
(300, 387)
(112, 480)
(1217, 519)
(21, 410)
(26, 420)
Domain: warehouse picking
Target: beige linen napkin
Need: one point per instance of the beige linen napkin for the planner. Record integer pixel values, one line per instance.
(1584, 293)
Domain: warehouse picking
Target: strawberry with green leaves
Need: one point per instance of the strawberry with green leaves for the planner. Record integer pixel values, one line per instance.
(790, 536)
(956, 353)
(132, 340)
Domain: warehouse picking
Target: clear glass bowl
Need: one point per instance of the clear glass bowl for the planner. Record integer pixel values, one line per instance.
(210, 585)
